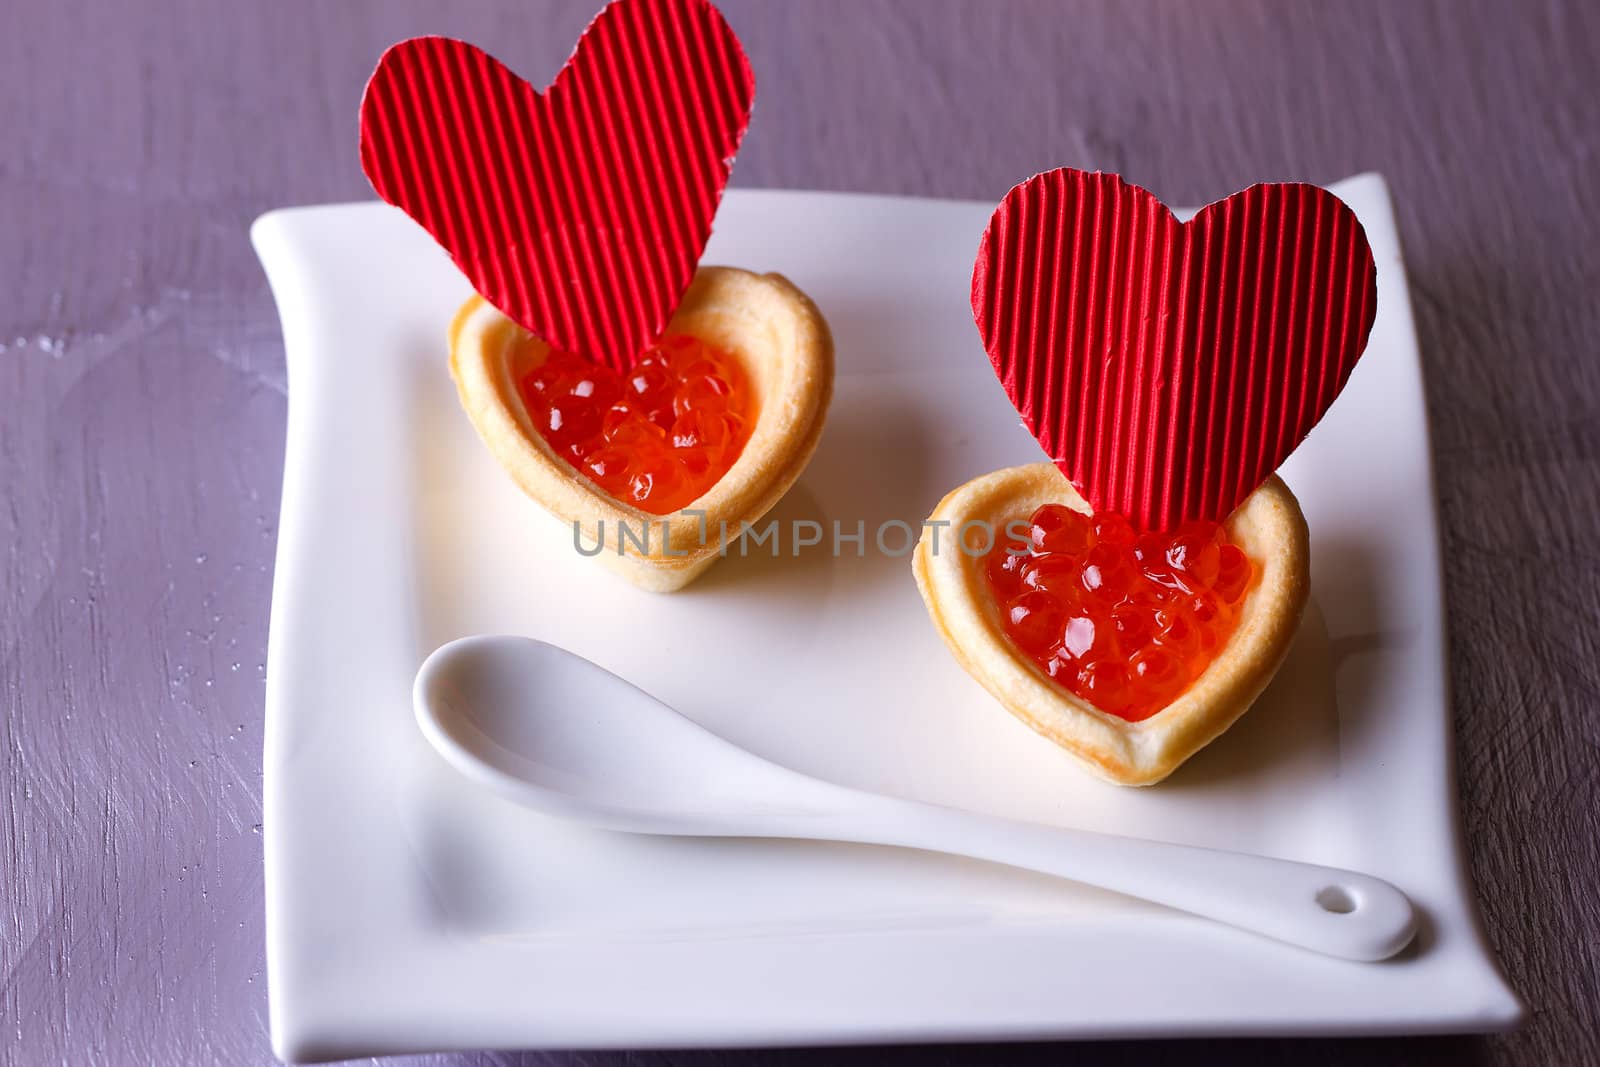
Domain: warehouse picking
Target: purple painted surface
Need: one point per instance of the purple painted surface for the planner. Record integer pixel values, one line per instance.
(142, 430)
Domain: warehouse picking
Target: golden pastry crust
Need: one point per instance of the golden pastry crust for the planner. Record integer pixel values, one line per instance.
(778, 336)
(1268, 526)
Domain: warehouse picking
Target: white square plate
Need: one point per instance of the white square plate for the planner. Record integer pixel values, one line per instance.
(408, 910)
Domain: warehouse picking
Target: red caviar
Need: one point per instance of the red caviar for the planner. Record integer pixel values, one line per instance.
(1123, 620)
(656, 437)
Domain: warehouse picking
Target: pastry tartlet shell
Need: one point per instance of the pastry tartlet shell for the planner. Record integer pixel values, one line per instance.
(1268, 527)
(782, 342)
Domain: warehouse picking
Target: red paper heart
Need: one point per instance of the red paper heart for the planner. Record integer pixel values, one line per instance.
(1169, 368)
(581, 212)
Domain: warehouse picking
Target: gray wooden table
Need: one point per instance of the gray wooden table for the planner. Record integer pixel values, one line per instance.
(142, 417)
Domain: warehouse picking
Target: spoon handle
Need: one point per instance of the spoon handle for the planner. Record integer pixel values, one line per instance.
(1335, 912)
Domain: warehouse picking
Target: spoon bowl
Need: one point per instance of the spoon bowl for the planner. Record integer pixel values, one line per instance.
(565, 737)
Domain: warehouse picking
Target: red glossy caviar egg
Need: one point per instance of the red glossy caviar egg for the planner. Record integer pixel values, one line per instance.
(1123, 620)
(656, 437)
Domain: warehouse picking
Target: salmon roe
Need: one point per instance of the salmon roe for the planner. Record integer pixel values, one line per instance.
(1123, 620)
(656, 437)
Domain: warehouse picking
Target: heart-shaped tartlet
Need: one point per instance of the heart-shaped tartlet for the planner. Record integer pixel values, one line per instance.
(654, 405)
(1145, 585)
(739, 385)
(984, 614)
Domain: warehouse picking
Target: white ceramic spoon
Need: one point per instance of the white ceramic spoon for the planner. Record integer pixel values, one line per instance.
(569, 739)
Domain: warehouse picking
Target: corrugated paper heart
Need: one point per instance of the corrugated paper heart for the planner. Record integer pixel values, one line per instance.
(1169, 368)
(581, 212)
